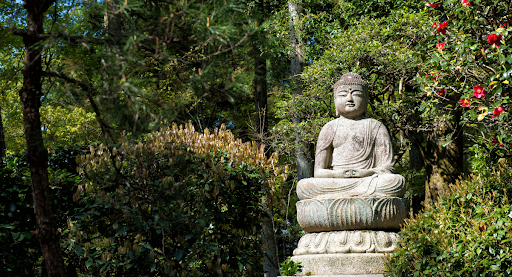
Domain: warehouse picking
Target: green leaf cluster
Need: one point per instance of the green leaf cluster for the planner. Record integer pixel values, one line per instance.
(290, 268)
(468, 233)
(19, 246)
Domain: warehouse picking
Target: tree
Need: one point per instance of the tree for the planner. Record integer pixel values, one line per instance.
(30, 95)
(303, 153)
(466, 76)
(148, 62)
(271, 263)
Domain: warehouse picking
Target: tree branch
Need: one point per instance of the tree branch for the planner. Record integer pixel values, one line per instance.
(65, 37)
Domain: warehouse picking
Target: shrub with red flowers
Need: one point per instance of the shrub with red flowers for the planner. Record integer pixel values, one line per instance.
(435, 5)
(465, 102)
(498, 110)
(494, 38)
(475, 71)
(466, 3)
(441, 28)
(479, 91)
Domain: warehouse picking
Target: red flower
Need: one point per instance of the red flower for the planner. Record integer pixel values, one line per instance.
(479, 91)
(465, 102)
(434, 25)
(440, 46)
(494, 140)
(482, 225)
(466, 3)
(441, 92)
(498, 110)
(504, 24)
(435, 5)
(442, 28)
(494, 39)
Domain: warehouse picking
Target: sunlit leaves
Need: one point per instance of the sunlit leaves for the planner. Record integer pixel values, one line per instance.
(160, 204)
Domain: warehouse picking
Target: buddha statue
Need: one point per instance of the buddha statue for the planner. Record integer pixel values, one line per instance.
(353, 206)
(354, 186)
(354, 155)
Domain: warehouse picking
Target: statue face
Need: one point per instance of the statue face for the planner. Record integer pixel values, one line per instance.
(350, 101)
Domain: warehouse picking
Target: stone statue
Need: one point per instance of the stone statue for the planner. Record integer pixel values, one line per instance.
(354, 156)
(353, 205)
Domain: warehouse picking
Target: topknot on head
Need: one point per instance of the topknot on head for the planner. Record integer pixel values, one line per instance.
(351, 79)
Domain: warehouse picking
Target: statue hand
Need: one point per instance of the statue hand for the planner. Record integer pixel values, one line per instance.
(357, 173)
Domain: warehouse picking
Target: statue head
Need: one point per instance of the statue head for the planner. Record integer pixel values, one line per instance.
(351, 96)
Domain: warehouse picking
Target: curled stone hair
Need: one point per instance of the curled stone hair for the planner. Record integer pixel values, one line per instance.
(351, 79)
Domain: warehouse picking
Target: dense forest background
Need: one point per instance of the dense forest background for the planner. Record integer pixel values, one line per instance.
(166, 137)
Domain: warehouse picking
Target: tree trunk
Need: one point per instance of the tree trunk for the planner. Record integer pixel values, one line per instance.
(271, 263)
(260, 91)
(2, 142)
(37, 156)
(444, 164)
(302, 151)
(416, 164)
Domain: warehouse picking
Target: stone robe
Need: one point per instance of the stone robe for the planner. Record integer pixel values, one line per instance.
(354, 144)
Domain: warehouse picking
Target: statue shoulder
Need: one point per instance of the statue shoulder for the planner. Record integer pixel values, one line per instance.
(328, 130)
(331, 125)
(375, 123)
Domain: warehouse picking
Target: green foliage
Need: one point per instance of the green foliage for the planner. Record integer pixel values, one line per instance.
(68, 126)
(290, 268)
(17, 220)
(378, 49)
(19, 246)
(181, 202)
(353, 11)
(468, 233)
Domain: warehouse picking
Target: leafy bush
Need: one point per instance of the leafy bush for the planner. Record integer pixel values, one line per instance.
(290, 268)
(468, 233)
(19, 248)
(179, 203)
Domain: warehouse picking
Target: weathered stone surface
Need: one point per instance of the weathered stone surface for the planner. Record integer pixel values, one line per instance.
(354, 154)
(347, 275)
(354, 188)
(347, 242)
(320, 215)
(351, 263)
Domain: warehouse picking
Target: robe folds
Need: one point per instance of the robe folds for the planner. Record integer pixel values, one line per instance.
(354, 144)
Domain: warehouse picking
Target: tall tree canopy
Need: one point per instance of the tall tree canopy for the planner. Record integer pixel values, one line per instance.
(84, 73)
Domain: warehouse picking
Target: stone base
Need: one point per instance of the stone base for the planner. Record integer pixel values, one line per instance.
(346, 275)
(342, 264)
(337, 242)
(324, 215)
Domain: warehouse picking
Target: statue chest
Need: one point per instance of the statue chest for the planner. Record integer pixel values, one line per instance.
(349, 138)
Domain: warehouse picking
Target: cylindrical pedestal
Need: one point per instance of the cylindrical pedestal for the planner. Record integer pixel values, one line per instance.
(349, 263)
